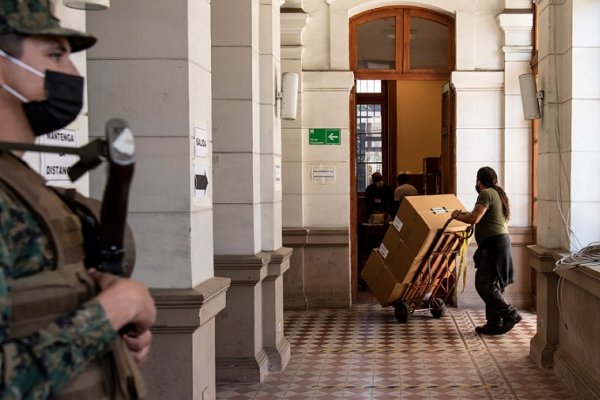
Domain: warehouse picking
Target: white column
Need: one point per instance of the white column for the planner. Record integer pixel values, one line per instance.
(569, 206)
(479, 123)
(568, 149)
(270, 125)
(236, 120)
(276, 346)
(128, 81)
(152, 67)
(479, 127)
(585, 121)
(247, 203)
(292, 25)
(516, 136)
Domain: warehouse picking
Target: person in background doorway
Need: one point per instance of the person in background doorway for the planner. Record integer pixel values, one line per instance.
(379, 196)
(493, 259)
(404, 189)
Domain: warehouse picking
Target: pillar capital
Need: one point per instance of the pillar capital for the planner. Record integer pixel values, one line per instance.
(293, 22)
(517, 26)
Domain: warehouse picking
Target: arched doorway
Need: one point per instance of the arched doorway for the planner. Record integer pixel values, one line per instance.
(402, 110)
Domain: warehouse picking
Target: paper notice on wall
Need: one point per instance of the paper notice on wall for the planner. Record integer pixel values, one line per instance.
(323, 174)
(55, 166)
(200, 142)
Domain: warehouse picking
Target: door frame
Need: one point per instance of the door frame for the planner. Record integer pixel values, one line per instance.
(390, 76)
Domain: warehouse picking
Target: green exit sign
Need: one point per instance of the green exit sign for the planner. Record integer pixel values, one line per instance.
(325, 136)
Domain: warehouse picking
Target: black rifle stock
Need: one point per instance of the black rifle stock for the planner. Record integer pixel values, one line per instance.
(113, 214)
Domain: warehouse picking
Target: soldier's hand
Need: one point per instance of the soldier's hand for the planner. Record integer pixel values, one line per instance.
(125, 302)
(139, 345)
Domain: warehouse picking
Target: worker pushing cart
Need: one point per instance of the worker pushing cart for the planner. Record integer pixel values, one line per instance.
(415, 264)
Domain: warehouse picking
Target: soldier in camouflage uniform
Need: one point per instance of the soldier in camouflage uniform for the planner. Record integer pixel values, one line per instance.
(41, 91)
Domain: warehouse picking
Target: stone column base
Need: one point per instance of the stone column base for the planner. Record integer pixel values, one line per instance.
(275, 344)
(545, 341)
(181, 364)
(279, 356)
(541, 351)
(239, 329)
(243, 369)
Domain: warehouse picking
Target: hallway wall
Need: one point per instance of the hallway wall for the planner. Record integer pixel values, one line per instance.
(490, 54)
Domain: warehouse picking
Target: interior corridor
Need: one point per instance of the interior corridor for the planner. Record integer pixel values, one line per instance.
(363, 353)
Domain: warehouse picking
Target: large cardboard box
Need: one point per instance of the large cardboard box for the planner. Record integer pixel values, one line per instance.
(421, 218)
(384, 286)
(402, 262)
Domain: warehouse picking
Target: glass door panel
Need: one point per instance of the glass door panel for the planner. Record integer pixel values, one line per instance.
(428, 44)
(369, 143)
(377, 44)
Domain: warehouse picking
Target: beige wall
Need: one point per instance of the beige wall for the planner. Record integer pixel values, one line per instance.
(419, 123)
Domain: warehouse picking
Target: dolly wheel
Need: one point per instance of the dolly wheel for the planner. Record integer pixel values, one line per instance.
(402, 312)
(438, 310)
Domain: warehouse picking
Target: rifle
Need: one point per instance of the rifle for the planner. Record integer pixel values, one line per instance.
(104, 239)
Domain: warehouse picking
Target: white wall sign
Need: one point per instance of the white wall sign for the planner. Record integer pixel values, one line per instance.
(55, 167)
(323, 174)
(277, 173)
(200, 142)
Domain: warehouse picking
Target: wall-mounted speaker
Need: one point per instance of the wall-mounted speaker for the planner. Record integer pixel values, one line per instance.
(530, 97)
(289, 95)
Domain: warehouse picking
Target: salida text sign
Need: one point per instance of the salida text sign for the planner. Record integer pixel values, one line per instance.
(200, 142)
(324, 136)
(55, 166)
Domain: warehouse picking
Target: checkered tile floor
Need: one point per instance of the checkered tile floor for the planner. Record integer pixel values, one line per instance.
(363, 353)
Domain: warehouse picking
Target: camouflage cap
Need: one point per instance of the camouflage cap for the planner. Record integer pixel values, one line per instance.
(34, 17)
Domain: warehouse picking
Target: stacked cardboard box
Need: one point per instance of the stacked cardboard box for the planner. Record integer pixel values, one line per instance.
(392, 267)
(384, 286)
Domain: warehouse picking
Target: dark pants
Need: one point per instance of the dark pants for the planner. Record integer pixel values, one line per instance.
(489, 289)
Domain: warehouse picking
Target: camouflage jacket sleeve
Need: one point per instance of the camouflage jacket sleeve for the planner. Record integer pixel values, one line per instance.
(40, 364)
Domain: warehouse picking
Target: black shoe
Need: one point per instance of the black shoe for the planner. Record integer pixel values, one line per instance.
(489, 329)
(510, 323)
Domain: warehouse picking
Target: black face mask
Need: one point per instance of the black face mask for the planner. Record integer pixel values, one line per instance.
(64, 99)
(63, 103)
(477, 188)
